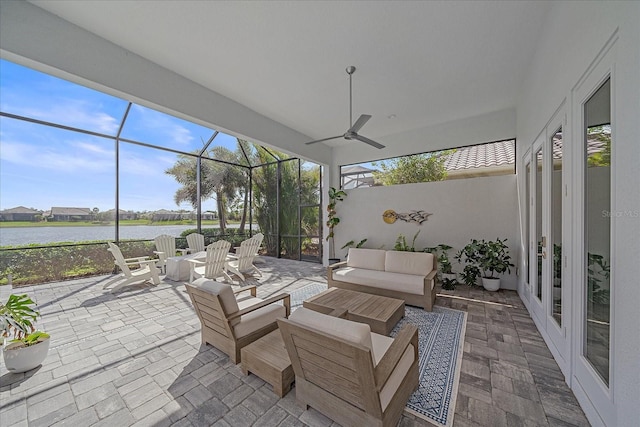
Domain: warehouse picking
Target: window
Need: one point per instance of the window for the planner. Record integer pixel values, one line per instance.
(495, 158)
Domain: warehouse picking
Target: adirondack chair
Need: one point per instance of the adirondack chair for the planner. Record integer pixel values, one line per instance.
(230, 323)
(245, 255)
(214, 265)
(166, 247)
(346, 372)
(195, 241)
(146, 270)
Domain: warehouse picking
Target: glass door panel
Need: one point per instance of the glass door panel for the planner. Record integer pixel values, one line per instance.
(556, 225)
(540, 239)
(597, 234)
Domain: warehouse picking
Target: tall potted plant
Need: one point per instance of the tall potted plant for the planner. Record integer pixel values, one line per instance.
(26, 347)
(335, 196)
(486, 259)
(445, 271)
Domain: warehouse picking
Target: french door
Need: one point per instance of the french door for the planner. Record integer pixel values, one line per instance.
(547, 195)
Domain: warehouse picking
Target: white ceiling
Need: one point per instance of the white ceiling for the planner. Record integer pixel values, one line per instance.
(420, 63)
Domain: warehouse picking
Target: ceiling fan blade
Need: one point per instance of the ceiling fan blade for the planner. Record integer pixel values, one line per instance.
(368, 141)
(364, 118)
(323, 139)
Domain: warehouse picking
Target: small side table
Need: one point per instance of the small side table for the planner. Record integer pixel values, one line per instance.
(268, 359)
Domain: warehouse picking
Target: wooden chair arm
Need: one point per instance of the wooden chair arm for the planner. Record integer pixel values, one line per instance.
(251, 288)
(285, 297)
(136, 259)
(196, 262)
(407, 335)
(337, 265)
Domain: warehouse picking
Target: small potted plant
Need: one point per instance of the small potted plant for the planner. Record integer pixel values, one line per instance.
(448, 278)
(335, 196)
(24, 347)
(353, 244)
(486, 259)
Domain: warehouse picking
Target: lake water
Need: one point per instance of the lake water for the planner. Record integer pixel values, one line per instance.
(25, 235)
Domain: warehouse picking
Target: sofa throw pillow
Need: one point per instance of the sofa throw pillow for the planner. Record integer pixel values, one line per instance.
(417, 263)
(369, 259)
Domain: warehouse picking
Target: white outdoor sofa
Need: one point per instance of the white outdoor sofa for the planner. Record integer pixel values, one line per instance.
(410, 276)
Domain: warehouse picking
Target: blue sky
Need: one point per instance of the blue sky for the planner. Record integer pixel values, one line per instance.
(42, 166)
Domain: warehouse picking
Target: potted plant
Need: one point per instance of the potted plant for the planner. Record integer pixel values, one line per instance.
(401, 243)
(447, 276)
(486, 259)
(353, 244)
(335, 196)
(27, 347)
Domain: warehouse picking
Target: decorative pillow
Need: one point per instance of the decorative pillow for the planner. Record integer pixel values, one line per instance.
(347, 330)
(369, 259)
(416, 263)
(224, 291)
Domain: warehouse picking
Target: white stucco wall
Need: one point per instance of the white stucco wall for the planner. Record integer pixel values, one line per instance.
(480, 208)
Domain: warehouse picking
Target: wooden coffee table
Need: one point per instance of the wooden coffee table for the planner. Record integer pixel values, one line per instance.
(268, 359)
(380, 313)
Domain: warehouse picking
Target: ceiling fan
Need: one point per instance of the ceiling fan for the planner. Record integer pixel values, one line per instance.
(352, 132)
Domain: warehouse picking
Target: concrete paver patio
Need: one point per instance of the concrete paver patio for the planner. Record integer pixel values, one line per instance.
(134, 358)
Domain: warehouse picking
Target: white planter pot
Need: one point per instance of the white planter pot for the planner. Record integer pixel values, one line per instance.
(21, 359)
(491, 284)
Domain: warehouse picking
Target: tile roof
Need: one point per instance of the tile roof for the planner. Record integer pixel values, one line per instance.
(482, 156)
(70, 211)
(20, 210)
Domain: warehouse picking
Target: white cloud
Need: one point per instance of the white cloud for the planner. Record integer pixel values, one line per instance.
(75, 113)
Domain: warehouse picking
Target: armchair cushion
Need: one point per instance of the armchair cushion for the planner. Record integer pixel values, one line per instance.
(223, 290)
(257, 319)
(347, 330)
(370, 259)
(380, 346)
(418, 263)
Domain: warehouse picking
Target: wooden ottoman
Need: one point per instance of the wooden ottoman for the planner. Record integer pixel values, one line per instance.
(268, 359)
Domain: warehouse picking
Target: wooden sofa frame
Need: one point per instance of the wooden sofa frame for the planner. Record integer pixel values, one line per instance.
(424, 301)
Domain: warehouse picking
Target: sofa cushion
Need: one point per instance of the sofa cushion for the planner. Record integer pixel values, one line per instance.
(408, 283)
(418, 263)
(257, 319)
(371, 259)
(347, 330)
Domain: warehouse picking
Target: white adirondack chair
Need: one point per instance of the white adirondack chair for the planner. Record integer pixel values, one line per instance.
(195, 241)
(146, 269)
(214, 265)
(165, 248)
(245, 256)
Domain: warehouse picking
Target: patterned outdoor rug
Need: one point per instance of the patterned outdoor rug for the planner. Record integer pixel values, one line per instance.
(440, 347)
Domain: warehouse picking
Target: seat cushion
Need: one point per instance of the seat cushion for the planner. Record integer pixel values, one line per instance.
(371, 259)
(408, 283)
(222, 290)
(381, 344)
(418, 263)
(347, 330)
(257, 319)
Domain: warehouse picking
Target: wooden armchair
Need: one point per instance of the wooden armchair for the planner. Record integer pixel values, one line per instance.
(353, 376)
(229, 323)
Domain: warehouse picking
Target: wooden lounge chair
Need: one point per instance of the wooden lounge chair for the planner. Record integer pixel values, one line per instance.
(353, 376)
(195, 241)
(146, 270)
(229, 323)
(245, 255)
(214, 265)
(165, 248)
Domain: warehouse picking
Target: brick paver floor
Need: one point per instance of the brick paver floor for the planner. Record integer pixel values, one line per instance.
(134, 359)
